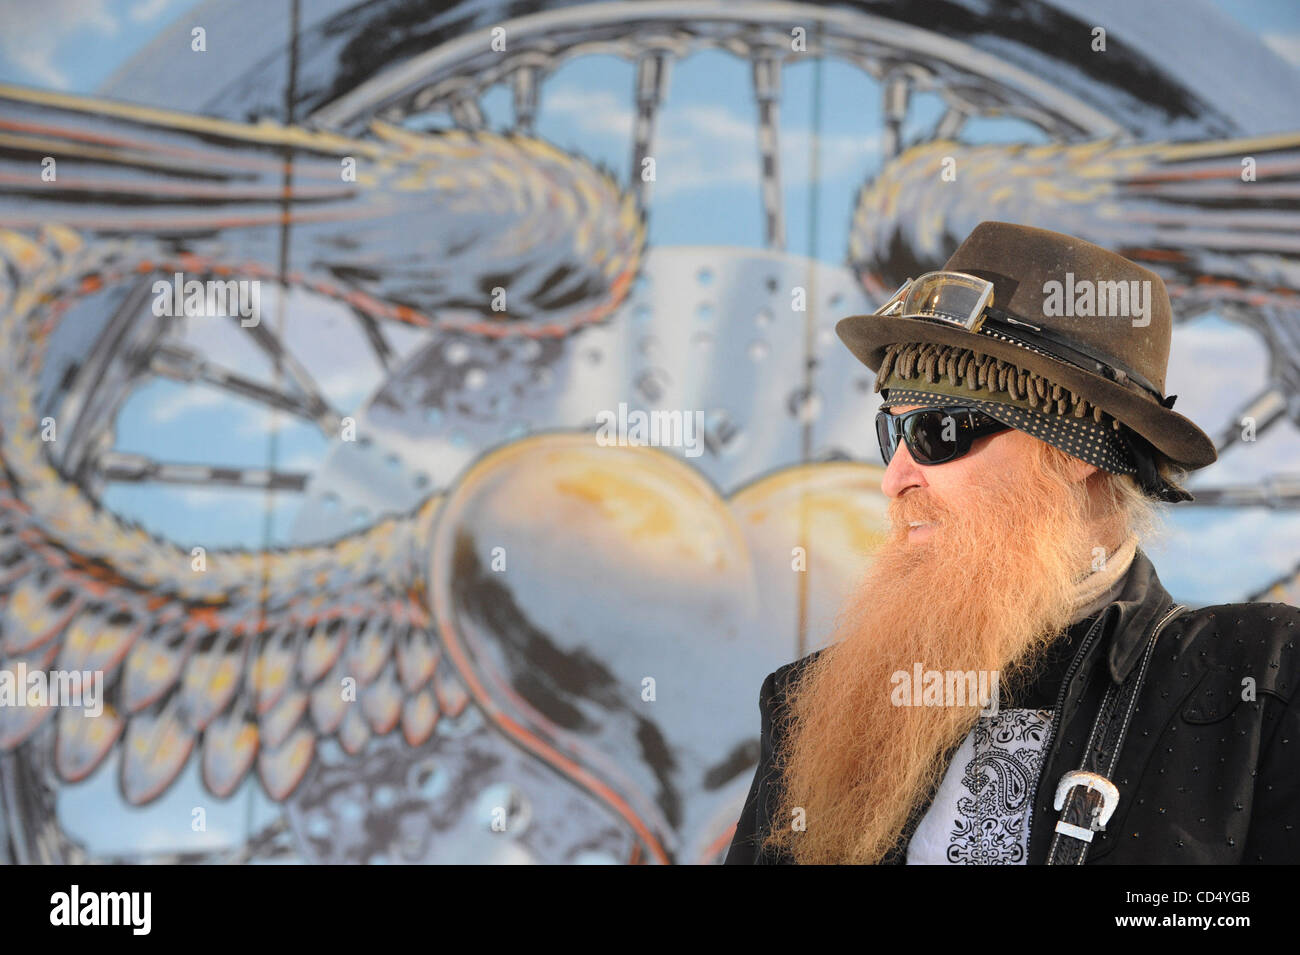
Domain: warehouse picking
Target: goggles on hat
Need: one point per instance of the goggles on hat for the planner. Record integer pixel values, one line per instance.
(934, 435)
(966, 301)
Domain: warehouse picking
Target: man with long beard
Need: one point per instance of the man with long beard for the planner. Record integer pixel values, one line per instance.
(1026, 445)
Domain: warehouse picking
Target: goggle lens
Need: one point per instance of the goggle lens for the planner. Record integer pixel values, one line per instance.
(952, 297)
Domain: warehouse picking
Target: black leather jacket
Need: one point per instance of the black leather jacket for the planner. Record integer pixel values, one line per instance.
(1206, 775)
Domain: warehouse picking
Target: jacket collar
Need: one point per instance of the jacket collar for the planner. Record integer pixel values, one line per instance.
(1133, 614)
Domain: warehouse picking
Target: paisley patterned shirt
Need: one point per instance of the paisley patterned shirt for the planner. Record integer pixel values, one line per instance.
(980, 813)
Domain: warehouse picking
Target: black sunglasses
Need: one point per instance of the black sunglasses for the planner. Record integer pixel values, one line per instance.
(934, 435)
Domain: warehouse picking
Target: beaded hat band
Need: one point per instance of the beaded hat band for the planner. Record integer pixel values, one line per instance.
(916, 373)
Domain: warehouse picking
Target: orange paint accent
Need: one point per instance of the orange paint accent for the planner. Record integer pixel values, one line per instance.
(222, 160)
(714, 848)
(205, 616)
(1158, 255)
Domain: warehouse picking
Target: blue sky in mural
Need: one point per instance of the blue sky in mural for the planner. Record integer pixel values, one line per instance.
(75, 45)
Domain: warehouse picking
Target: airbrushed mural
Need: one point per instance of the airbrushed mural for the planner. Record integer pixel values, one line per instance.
(337, 531)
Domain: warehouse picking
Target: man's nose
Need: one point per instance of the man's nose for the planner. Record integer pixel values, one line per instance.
(902, 472)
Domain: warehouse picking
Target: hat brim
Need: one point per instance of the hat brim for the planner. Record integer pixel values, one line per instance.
(867, 337)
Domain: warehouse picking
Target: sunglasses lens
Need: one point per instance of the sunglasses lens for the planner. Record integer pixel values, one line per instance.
(882, 436)
(933, 436)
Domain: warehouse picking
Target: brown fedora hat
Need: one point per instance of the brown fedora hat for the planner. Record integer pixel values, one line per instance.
(1077, 314)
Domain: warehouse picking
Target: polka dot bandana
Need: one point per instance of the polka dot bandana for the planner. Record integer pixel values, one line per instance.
(1082, 437)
